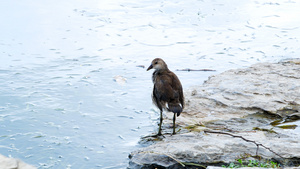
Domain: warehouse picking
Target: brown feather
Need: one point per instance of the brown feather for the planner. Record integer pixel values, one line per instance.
(167, 90)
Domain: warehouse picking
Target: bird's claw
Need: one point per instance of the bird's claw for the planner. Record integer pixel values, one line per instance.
(155, 136)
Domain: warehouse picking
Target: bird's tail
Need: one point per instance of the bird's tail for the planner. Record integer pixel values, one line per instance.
(175, 108)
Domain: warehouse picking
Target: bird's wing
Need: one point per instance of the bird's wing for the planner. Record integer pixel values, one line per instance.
(163, 88)
(176, 85)
(155, 98)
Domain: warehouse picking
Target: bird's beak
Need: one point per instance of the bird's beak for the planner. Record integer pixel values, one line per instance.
(150, 67)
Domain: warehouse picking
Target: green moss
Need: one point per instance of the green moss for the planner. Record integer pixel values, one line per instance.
(252, 163)
(279, 123)
(194, 127)
(276, 122)
(261, 129)
(288, 126)
(191, 127)
(297, 62)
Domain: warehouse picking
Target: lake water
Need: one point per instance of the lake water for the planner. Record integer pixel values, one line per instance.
(60, 103)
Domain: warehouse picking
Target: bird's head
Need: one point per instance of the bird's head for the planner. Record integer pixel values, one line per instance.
(158, 64)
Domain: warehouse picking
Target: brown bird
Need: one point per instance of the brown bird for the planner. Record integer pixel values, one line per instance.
(167, 91)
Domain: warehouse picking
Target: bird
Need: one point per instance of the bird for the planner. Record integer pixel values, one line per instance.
(167, 91)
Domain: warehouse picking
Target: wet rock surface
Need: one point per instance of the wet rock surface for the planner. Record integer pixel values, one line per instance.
(239, 114)
(211, 167)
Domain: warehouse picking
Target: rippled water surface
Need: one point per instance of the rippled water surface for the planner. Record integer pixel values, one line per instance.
(72, 93)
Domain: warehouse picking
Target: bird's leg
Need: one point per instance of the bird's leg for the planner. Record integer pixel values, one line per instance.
(160, 122)
(159, 129)
(174, 119)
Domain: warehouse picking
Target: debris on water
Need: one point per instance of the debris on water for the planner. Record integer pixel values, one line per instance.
(134, 129)
(293, 126)
(85, 77)
(188, 70)
(141, 66)
(59, 109)
(263, 129)
(120, 79)
(138, 112)
(124, 116)
(38, 136)
(121, 137)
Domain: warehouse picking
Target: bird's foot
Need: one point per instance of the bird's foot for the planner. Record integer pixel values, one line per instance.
(158, 135)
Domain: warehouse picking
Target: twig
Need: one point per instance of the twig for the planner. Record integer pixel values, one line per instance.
(193, 164)
(257, 144)
(188, 70)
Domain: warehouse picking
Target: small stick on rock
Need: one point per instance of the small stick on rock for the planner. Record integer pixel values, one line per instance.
(257, 144)
(188, 70)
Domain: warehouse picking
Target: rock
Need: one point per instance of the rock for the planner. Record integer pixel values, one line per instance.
(246, 103)
(10, 163)
(213, 167)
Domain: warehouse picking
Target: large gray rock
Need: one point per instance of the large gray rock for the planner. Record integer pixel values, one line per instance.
(212, 167)
(11, 163)
(243, 102)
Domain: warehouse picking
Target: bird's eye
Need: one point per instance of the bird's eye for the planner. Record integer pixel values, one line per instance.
(155, 63)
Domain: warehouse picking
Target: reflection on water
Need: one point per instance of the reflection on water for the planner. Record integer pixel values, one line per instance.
(60, 106)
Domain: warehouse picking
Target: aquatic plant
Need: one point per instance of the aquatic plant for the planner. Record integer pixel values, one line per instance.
(252, 163)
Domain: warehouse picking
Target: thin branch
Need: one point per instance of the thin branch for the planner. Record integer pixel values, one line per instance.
(188, 70)
(236, 136)
(193, 164)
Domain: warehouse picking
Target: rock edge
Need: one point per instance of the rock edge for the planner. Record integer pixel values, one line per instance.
(11, 163)
(244, 102)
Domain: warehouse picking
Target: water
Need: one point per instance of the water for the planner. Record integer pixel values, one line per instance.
(60, 106)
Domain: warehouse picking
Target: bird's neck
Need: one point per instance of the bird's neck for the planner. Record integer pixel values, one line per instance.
(162, 70)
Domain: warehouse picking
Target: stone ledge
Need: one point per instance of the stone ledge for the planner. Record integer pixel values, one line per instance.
(251, 103)
(11, 163)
